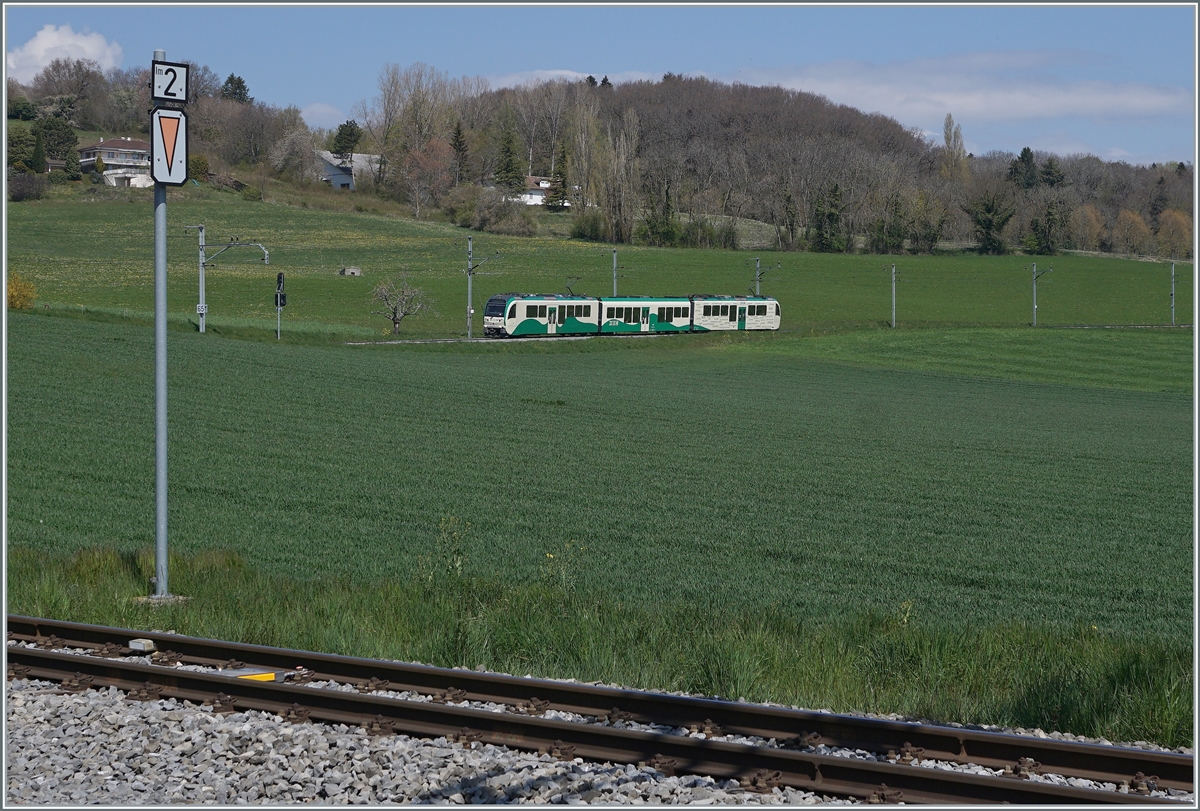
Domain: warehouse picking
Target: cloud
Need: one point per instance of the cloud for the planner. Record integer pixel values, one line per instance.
(1002, 86)
(322, 115)
(54, 42)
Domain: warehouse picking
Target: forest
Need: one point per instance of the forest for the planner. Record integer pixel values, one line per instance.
(673, 162)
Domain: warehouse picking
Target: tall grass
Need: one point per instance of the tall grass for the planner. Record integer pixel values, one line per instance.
(1015, 674)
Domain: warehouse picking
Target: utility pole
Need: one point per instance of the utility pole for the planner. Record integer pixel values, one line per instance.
(1172, 294)
(470, 275)
(893, 295)
(202, 307)
(1036, 276)
(614, 272)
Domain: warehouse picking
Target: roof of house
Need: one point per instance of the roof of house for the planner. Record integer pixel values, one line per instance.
(360, 161)
(120, 143)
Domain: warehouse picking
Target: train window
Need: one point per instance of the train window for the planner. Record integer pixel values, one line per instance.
(708, 309)
(679, 312)
(587, 311)
(629, 316)
(724, 309)
(610, 313)
(777, 308)
(531, 311)
(512, 312)
(733, 313)
(542, 311)
(662, 313)
(762, 309)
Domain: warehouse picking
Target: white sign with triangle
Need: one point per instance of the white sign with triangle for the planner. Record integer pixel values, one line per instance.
(168, 146)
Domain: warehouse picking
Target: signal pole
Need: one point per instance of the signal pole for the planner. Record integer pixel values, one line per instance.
(160, 380)
(470, 275)
(1036, 276)
(614, 272)
(893, 295)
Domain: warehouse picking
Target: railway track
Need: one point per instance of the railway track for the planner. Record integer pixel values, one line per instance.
(786, 747)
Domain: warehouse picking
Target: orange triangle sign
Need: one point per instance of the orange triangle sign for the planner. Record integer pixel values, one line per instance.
(170, 133)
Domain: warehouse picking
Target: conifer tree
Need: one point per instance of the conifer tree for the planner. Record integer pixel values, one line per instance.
(38, 162)
(458, 142)
(508, 169)
(556, 197)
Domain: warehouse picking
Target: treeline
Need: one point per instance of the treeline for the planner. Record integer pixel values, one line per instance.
(678, 162)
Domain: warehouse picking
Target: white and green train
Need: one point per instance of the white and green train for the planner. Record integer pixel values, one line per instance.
(512, 315)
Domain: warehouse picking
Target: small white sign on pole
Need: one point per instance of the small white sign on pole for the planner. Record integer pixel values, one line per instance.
(168, 147)
(170, 82)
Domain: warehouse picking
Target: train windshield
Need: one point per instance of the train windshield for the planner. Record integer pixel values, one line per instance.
(495, 306)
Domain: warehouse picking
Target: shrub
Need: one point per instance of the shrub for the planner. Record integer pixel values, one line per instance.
(58, 177)
(497, 214)
(20, 293)
(589, 225)
(251, 194)
(198, 166)
(26, 187)
(460, 204)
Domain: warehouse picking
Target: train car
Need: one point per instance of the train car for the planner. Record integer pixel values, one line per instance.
(646, 314)
(511, 315)
(734, 313)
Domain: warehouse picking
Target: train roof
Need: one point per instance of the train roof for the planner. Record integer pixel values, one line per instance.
(578, 297)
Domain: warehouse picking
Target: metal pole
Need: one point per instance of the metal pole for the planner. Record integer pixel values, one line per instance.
(757, 277)
(160, 381)
(614, 272)
(1172, 294)
(278, 320)
(470, 249)
(1035, 294)
(202, 308)
(893, 295)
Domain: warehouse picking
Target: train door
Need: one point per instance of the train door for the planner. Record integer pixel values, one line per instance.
(741, 317)
(645, 319)
(552, 321)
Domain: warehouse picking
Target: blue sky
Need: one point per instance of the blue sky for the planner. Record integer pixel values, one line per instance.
(1114, 81)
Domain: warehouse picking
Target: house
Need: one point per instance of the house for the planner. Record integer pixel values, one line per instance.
(339, 172)
(123, 158)
(536, 189)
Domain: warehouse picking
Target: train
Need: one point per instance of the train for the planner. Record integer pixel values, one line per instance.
(513, 315)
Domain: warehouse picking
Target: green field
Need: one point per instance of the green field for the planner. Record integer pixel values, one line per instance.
(966, 519)
(100, 255)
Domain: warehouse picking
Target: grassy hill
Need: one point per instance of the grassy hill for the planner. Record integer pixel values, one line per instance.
(93, 248)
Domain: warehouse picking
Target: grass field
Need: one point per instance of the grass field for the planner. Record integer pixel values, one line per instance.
(99, 254)
(962, 519)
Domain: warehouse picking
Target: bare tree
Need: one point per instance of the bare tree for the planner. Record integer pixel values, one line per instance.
(380, 119)
(295, 152)
(556, 100)
(528, 116)
(399, 302)
(426, 174)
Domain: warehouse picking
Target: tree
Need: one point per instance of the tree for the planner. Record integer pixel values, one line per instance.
(399, 302)
(1051, 174)
(989, 212)
(235, 89)
(1044, 232)
(58, 137)
(826, 222)
(1024, 171)
(458, 143)
(556, 196)
(1175, 234)
(295, 153)
(20, 145)
(606, 83)
(100, 167)
(1086, 227)
(426, 175)
(71, 166)
(891, 229)
(346, 139)
(1130, 232)
(21, 293)
(954, 158)
(925, 227)
(508, 171)
(21, 108)
(37, 162)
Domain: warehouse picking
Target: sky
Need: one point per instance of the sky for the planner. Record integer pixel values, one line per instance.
(1116, 81)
